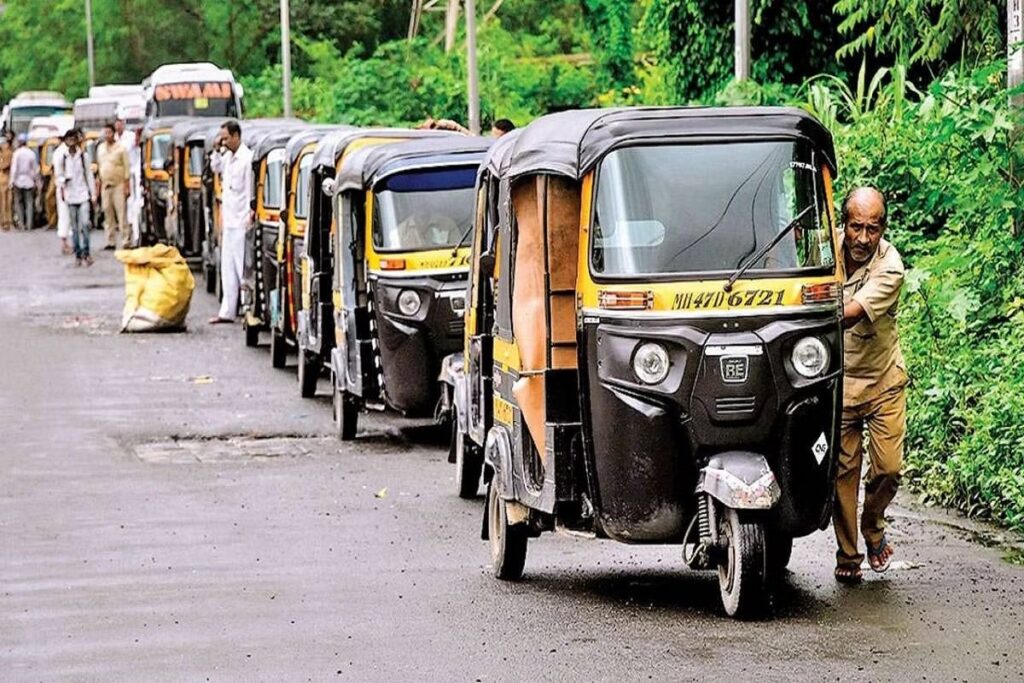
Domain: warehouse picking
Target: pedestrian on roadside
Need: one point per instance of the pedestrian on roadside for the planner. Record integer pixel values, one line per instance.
(23, 181)
(6, 194)
(114, 171)
(874, 394)
(77, 188)
(501, 127)
(233, 160)
(63, 222)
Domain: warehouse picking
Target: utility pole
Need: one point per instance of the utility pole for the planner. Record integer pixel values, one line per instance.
(286, 58)
(473, 76)
(90, 57)
(1015, 55)
(743, 39)
(451, 25)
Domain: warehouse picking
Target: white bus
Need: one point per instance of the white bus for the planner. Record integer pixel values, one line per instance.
(197, 89)
(19, 112)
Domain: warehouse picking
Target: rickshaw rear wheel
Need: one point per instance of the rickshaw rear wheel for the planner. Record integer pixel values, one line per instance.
(780, 551)
(309, 373)
(469, 461)
(252, 336)
(346, 414)
(278, 349)
(742, 576)
(210, 276)
(507, 541)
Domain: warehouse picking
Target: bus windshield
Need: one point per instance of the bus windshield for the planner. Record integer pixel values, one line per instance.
(708, 208)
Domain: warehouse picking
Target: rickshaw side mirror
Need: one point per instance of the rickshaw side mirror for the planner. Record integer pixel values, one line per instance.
(487, 264)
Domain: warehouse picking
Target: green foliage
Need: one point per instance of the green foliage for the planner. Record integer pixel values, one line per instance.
(947, 162)
(692, 43)
(611, 23)
(922, 30)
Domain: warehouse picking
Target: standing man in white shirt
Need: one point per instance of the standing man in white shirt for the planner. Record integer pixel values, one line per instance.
(63, 222)
(24, 180)
(77, 187)
(233, 160)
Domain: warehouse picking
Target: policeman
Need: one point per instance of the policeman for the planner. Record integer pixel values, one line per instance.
(874, 395)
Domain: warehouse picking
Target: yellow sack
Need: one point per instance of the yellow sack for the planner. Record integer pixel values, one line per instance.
(158, 289)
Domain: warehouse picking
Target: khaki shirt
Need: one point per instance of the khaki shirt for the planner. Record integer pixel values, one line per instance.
(6, 154)
(873, 358)
(113, 163)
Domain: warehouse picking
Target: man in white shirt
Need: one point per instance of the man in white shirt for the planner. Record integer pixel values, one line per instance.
(77, 188)
(24, 181)
(233, 160)
(63, 221)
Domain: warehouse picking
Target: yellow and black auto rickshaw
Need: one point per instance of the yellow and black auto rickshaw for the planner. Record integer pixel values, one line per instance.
(48, 191)
(185, 223)
(405, 214)
(315, 332)
(202, 139)
(269, 172)
(654, 352)
(158, 164)
(284, 297)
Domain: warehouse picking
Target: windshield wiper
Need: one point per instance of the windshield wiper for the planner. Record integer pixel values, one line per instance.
(765, 249)
(462, 241)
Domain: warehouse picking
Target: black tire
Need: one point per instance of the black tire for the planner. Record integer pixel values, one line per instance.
(217, 281)
(252, 336)
(469, 461)
(508, 542)
(346, 414)
(780, 552)
(742, 577)
(278, 349)
(309, 373)
(210, 276)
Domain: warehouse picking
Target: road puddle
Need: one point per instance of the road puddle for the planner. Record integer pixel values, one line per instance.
(226, 449)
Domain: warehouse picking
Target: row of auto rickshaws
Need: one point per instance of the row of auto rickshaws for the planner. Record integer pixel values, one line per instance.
(629, 318)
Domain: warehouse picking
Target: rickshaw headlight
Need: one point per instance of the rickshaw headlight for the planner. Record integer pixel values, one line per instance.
(650, 363)
(408, 302)
(810, 357)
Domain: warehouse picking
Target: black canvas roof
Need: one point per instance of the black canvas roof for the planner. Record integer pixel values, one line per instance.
(500, 153)
(372, 164)
(571, 143)
(305, 135)
(185, 129)
(333, 146)
(271, 139)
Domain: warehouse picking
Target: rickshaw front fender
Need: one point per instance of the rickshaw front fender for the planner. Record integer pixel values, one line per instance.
(740, 480)
(498, 458)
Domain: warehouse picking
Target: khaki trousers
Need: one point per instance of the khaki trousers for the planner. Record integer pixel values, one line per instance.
(6, 202)
(115, 216)
(885, 418)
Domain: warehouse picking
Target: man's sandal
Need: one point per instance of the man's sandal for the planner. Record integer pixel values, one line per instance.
(849, 575)
(880, 556)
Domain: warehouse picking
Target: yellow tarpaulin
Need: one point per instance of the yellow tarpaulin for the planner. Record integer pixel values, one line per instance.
(158, 289)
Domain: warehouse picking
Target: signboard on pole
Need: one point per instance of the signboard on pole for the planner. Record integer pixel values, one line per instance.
(1015, 55)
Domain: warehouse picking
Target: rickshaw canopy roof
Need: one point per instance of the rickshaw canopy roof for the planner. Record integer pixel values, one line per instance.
(332, 146)
(571, 143)
(499, 156)
(184, 130)
(271, 139)
(373, 164)
(167, 122)
(303, 136)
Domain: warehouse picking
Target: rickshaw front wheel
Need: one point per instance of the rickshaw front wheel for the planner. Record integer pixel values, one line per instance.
(346, 414)
(278, 349)
(308, 373)
(252, 336)
(507, 541)
(742, 575)
(469, 461)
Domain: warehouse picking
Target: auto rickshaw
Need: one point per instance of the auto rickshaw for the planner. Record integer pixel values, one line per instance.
(158, 164)
(654, 350)
(284, 297)
(404, 214)
(315, 330)
(185, 221)
(48, 190)
(269, 193)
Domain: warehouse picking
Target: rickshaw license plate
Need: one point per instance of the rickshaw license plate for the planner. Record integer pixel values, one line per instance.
(734, 369)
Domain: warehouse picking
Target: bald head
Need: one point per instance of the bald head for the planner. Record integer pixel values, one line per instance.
(864, 221)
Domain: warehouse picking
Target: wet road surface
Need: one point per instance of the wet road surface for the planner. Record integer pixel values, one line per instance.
(170, 509)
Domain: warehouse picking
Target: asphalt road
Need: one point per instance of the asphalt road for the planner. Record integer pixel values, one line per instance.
(170, 509)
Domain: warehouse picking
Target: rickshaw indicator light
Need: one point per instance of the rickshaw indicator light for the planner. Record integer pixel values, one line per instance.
(409, 302)
(824, 293)
(651, 363)
(392, 264)
(634, 301)
(810, 357)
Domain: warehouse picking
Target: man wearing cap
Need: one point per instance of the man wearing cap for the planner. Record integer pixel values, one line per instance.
(874, 395)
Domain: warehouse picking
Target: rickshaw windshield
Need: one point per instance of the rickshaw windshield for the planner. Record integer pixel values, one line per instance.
(161, 148)
(700, 208)
(302, 187)
(195, 161)
(273, 184)
(424, 210)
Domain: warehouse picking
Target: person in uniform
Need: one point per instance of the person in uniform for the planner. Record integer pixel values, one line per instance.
(874, 395)
(114, 180)
(6, 192)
